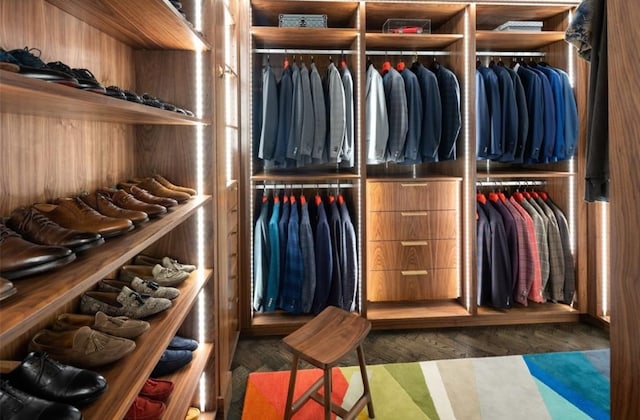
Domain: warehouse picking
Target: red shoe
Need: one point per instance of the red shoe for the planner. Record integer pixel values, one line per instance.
(157, 389)
(145, 409)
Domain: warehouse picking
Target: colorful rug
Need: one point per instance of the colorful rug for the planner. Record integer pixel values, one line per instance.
(563, 385)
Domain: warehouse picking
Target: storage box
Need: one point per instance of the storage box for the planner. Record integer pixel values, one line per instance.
(520, 25)
(407, 26)
(302, 21)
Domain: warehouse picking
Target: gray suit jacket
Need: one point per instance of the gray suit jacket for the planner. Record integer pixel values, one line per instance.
(377, 122)
(336, 111)
(348, 152)
(297, 109)
(285, 114)
(320, 114)
(308, 119)
(398, 114)
(269, 132)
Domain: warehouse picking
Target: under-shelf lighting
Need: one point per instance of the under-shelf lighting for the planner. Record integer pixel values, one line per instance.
(468, 187)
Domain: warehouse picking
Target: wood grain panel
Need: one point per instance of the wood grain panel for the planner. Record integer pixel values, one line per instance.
(624, 126)
(412, 255)
(410, 42)
(269, 37)
(340, 14)
(410, 285)
(439, 13)
(490, 16)
(411, 195)
(516, 40)
(396, 226)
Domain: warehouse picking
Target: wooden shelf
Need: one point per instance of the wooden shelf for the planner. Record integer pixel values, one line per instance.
(490, 16)
(319, 38)
(149, 24)
(40, 296)
(438, 13)
(535, 313)
(302, 178)
(522, 175)
(126, 377)
(409, 41)
(516, 40)
(23, 95)
(340, 14)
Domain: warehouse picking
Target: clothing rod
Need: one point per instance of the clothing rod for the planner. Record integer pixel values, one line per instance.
(509, 183)
(300, 186)
(306, 52)
(407, 53)
(511, 53)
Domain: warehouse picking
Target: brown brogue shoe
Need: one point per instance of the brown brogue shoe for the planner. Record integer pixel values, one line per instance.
(144, 195)
(19, 257)
(166, 183)
(107, 207)
(37, 228)
(73, 213)
(157, 189)
(123, 199)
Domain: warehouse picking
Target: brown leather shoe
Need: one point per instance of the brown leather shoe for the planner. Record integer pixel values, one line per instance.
(157, 189)
(106, 207)
(73, 213)
(123, 199)
(19, 258)
(144, 195)
(37, 228)
(7, 289)
(166, 183)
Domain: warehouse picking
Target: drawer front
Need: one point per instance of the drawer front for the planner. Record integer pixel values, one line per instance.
(412, 285)
(426, 195)
(412, 255)
(411, 225)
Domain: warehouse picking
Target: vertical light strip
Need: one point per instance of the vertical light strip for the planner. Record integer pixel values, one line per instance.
(570, 58)
(468, 186)
(251, 182)
(359, 167)
(229, 103)
(605, 263)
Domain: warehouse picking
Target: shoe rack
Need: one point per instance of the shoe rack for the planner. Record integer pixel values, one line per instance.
(58, 141)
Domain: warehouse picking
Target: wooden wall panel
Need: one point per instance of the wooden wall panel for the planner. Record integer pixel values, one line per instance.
(624, 129)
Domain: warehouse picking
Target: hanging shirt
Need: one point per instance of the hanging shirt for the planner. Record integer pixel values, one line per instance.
(377, 122)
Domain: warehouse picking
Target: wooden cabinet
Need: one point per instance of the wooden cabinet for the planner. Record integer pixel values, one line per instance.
(417, 238)
(58, 141)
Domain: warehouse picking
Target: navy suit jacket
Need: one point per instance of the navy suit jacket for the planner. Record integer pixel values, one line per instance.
(523, 116)
(548, 117)
(492, 91)
(324, 259)
(285, 113)
(509, 113)
(431, 112)
(533, 91)
(451, 119)
(414, 107)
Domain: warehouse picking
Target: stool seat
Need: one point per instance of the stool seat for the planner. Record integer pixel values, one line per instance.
(323, 342)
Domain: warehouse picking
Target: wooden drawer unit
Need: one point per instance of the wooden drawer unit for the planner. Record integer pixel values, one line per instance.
(411, 285)
(413, 234)
(413, 195)
(412, 255)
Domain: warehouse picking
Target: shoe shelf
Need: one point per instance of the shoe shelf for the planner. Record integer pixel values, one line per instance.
(126, 377)
(41, 296)
(23, 95)
(148, 24)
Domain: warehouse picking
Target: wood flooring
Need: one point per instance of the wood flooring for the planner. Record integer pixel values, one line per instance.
(269, 354)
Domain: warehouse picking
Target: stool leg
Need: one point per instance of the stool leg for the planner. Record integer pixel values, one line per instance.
(292, 386)
(365, 381)
(327, 393)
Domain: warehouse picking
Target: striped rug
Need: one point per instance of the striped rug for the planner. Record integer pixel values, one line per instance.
(563, 385)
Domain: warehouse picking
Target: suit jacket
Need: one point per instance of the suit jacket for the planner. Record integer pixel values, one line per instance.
(536, 272)
(260, 257)
(398, 114)
(308, 119)
(297, 107)
(431, 112)
(559, 148)
(548, 118)
(269, 132)
(570, 117)
(556, 254)
(540, 228)
(285, 114)
(523, 116)
(348, 152)
(283, 229)
(495, 111)
(320, 113)
(509, 112)
(533, 91)
(483, 250)
(291, 293)
(349, 260)
(451, 119)
(483, 119)
(412, 152)
(377, 122)
(337, 114)
(324, 259)
(273, 279)
(526, 260)
(308, 257)
(511, 236)
(335, 224)
(569, 263)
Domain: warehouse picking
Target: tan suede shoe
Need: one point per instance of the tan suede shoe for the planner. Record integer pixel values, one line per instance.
(118, 326)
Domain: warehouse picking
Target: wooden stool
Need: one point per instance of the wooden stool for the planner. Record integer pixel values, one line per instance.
(322, 342)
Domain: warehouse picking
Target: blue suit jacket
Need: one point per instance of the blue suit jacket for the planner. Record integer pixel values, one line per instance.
(398, 114)
(451, 119)
(431, 112)
(559, 148)
(533, 91)
(324, 259)
(414, 107)
(291, 293)
(285, 113)
(548, 118)
(260, 257)
(523, 116)
(483, 120)
(273, 279)
(492, 91)
(509, 113)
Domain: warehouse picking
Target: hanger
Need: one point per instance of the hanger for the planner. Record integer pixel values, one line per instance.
(481, 198)
(386, 66)
(400, 64)
(434, 64)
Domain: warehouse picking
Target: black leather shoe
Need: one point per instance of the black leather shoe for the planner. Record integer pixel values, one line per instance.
(19, 258)
(48, 379)
(37, 228)
(18, 405)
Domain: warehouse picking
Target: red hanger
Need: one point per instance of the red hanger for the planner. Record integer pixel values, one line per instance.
(386, 66)
(502, 197)
(331, 199)
(303, 200)
(400, 66)
(526, 195)
(286, 63)
(518, 196)
(276, 199)
(481, 198)
(265, 197)
(285, 199)
(293, 199)
(318, 200)
(494, 197)
(534, 194)
(340, 199)
(543, 195)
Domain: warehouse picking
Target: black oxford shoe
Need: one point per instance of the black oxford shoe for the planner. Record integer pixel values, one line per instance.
(48, 379)
(18, 405)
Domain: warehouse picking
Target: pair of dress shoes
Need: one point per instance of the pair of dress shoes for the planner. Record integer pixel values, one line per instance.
(126, 302)
(178, 354)
(20, 257)
(163, 276)
(7, 289)
(150, 402)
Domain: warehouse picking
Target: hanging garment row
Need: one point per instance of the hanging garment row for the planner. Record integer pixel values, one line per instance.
(412, 114)
(305, 255)
(307, 120)
(526, 113)
(523, 250)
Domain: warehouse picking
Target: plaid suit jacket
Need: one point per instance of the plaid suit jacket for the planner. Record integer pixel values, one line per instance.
(534, 284)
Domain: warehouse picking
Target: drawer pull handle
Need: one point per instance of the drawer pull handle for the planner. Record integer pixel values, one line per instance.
(414, 243)
(424, 184)
(414, 272)
(413, 213)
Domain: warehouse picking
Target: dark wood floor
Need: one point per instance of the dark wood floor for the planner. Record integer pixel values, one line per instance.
(268, 354)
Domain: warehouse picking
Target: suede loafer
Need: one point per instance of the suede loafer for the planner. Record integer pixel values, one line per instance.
(171, 361)
(156, 389)
(145, 409)
(125, 303)
(167, 262)
(161, 275)
(182, 343)
(84, 347)
(117, 326)
(144, 287)
(48, 379)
